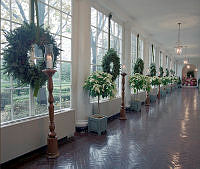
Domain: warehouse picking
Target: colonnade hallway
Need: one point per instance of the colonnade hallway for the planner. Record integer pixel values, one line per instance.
(167, 135)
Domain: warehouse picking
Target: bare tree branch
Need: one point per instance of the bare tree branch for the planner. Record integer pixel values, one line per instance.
(21, 11)
(7, 9)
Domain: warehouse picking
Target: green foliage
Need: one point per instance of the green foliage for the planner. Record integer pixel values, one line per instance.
(190, 73)
(172, 72)
(136, 82)
(139, 66)
(16, 58)
(155, 81)
(165, 81)
(153, 69)
(174, 79)
(167, 72)
(100, 84)
(161, 71)
(111, 57)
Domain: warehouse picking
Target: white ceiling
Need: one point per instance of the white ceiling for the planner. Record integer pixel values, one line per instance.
(160, 17)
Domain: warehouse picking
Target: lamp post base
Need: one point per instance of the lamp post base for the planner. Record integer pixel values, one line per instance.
(52, 151)
(122, 115)
(147, 101)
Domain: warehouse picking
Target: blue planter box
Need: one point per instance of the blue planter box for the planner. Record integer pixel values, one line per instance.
(97, 123)
(136, 106)
(162, 93)
(153, 98)
(168, 90)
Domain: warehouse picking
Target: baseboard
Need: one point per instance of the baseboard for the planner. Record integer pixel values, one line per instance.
(12, 164)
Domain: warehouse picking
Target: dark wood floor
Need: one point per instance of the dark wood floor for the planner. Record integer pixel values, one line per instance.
(165, 136)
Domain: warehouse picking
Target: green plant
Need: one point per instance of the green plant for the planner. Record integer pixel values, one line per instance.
(136, 82)
(167, 72)
(172, 72)
(153, 69)
(161, 71)
(100, 84)
(139, 66)
(165, 81)
(155, 81)
(111, 57)
(16, 59)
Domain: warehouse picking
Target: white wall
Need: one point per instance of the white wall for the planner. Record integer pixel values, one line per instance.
(108, 108)
(23, 137)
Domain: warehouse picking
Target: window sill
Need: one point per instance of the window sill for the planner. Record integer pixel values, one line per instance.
(36, 117)
(106, 100)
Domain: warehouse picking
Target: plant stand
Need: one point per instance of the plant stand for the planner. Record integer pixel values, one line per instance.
(97, 123)
(147, 102)
(163, 93)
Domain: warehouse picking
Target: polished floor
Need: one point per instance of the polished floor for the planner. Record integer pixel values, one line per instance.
(167, 135)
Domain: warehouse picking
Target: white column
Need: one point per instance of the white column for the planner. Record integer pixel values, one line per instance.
(81, 60)
(146, 56)
(127, 60)
(157, 57)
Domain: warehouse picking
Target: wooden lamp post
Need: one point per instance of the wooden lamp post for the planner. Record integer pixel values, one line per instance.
(122, 110)
(52, 142)
(158, 90)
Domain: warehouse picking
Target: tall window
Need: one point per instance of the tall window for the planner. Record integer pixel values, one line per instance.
(161, 59)
(18, 102)
(140, 49)
(99, 39)
(152, 54)
(133, 51)
(167, 62)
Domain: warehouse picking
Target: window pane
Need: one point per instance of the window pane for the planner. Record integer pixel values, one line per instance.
(93, 17)
(66, 49)
(20, 10)
(55, 3)
(54, 21)
(41, 102)
(66, 25)
(5, 9)
(43, 13)
(20, 103)
(65, 73)
(65, 96)
(66, 6)
(5, 105)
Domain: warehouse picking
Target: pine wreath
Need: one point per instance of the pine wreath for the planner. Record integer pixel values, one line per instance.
(16, 60)
(111, 57)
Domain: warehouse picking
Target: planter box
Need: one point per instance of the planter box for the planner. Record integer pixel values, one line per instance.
(136, 106)
(153, 98)
(97, 123)
(162, 93)
(168, 90)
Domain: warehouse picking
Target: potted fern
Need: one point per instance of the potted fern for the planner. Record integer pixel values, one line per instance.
(99, 84)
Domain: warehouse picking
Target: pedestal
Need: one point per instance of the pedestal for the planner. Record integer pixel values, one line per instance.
(52, 142)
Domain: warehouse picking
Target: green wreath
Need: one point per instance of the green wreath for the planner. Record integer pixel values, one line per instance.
(111, 57)
(16, 60)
